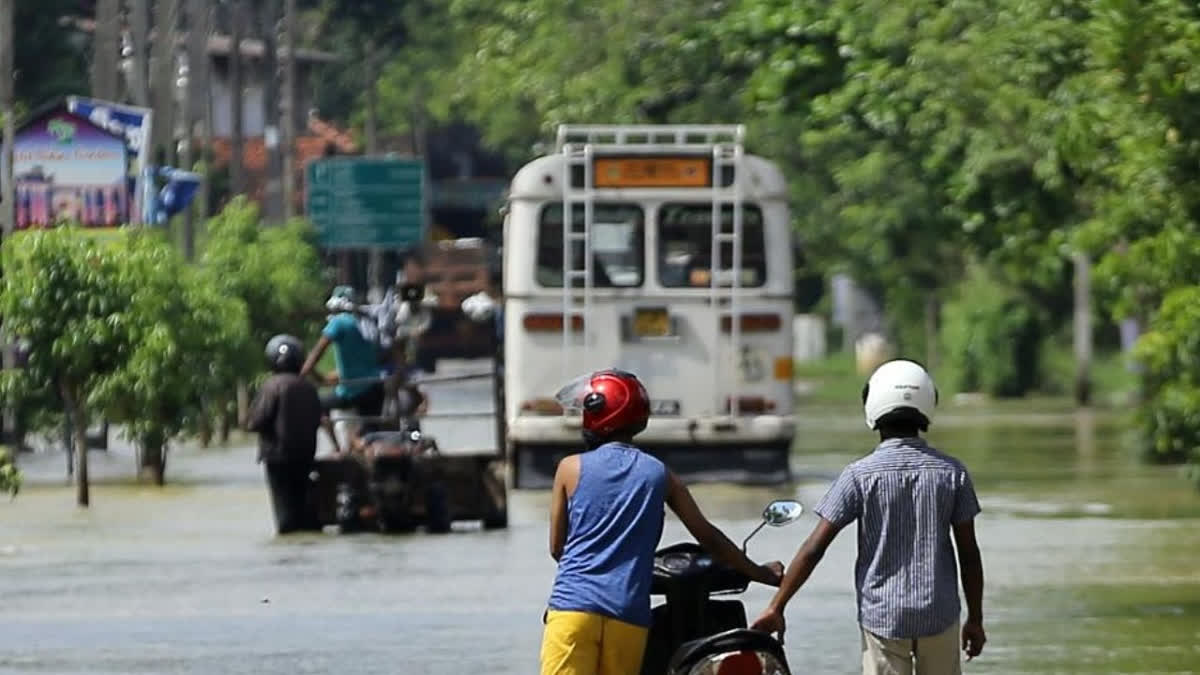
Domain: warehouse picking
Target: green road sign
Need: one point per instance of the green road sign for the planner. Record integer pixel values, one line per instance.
(367, 202)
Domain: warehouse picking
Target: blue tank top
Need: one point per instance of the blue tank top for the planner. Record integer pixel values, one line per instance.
(614, 523)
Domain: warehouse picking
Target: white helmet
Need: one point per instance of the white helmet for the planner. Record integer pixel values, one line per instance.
(899, 384)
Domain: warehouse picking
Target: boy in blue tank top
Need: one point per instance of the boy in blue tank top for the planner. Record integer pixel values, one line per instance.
(606, 518)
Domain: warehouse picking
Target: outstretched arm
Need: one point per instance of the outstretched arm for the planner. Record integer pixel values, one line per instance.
(679, 498)
(970, 564)
(803, 564)
(314, 357)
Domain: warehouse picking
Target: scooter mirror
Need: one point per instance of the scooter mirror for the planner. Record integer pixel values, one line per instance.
(777, 514)
(782, 511)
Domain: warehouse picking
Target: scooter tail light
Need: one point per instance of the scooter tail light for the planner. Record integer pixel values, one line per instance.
(733, 663)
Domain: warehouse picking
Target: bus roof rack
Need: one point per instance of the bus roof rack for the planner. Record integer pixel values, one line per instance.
(677, 136)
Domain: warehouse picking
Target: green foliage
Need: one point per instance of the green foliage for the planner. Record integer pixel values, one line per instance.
(10, 475)
(68, 298)
(186, 336)
(50, 56)
(534, 65)
(1170, 356)
(274, 272)
(991, 338)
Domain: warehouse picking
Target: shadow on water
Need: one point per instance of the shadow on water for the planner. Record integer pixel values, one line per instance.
(1090, 559)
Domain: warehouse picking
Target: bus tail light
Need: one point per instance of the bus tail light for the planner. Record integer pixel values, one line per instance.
(542, 406)
(550, 323)
(751, 405)
(753, 323)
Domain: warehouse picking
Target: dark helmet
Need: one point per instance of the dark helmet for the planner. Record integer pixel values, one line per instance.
(613, 402)
(285, 354)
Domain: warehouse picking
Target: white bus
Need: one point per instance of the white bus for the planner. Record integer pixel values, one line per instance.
(628, 281)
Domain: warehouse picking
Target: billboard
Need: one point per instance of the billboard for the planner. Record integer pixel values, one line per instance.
(133, 124)
(67, 168)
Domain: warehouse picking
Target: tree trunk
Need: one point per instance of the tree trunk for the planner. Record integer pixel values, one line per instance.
(237, 181)
(273, 193)
(204, 432)
(371, 74)
(68, 439)
(162, 91)
(8, 194)
(196, 91)
(201, 70)
(139, 27)
(78, 418)
(1083, 330)
(931, 331)
(152, 458)
(225, 426)
(105, 47)
(289, 110)
(243, 404)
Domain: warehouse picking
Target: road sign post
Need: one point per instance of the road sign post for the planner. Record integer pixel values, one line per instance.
(367, 202)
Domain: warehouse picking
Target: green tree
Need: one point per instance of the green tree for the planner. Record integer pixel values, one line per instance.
(185, 349)
(71, 301)
(533, 65)
(50, 55)
(1136, 142)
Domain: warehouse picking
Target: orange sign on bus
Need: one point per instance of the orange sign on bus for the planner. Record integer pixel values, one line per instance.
(647, 172)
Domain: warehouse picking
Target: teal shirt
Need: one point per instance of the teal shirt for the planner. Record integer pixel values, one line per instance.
(356, 356)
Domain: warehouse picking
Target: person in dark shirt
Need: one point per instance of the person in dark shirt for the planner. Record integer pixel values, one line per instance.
(286, 415)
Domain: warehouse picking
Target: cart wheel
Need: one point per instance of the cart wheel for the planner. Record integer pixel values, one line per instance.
(437, 509)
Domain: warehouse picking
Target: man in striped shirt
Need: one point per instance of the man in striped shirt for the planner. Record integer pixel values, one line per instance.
(908, 500)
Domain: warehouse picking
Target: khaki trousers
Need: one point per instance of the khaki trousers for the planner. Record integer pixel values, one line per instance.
(930, 655)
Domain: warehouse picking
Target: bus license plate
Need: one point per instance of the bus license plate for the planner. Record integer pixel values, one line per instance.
(665, 408)
(651, 322)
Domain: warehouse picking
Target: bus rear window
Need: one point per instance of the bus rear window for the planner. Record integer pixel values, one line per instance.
(685, 246)
(618, 257)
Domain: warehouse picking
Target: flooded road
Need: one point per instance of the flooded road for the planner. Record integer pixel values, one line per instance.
(1091, 561)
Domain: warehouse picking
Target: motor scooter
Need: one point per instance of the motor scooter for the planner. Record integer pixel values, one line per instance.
(695, 632)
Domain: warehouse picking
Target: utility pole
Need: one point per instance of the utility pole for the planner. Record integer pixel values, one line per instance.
(105, 48)
(162, 90)
(268, 29)
(289, 110)
(237, 182)
(139, 27)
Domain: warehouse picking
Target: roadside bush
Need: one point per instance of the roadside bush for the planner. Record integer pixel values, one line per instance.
(10, 475)
(1170, 356)
(991, 338)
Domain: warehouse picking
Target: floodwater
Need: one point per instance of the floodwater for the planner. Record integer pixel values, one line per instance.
(1091, 561)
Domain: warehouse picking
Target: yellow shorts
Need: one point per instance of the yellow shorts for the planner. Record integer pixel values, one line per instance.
(580, 643)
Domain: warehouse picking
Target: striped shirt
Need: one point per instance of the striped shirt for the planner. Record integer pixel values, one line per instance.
(905, 496)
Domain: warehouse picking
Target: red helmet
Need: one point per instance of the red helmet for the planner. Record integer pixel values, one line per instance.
(612, 401)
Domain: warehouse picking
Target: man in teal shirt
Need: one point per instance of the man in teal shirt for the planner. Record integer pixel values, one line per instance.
(359, 386)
